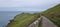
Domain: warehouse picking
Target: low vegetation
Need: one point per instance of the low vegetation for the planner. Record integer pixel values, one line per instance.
(40, 23)
(23, 20)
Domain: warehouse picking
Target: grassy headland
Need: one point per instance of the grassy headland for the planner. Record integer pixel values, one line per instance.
(23, 20)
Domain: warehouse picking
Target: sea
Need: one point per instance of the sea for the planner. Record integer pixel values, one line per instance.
(6, 16)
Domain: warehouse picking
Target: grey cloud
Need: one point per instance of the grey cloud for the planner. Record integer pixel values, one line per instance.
(27, 5)
(22, 3)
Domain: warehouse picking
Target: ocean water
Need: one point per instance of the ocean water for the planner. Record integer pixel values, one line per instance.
(6, 16)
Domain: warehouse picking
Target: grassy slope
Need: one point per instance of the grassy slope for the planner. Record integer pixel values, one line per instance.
(53, 14)
(23, 20)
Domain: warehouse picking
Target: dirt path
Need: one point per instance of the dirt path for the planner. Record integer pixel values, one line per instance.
(35, 24)
(47, 23)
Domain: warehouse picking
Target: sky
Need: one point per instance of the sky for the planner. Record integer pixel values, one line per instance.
(27, 5)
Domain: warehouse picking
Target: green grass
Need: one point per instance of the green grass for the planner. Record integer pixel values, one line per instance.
(40, 23)
(23, 20)
(53, 14)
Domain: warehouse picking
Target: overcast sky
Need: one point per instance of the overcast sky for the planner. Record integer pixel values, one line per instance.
(27, 5)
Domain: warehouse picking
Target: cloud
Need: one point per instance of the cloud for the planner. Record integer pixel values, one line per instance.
(27, 5)
(23, 3)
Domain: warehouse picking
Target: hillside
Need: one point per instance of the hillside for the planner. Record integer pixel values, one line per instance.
(23, 20)
(53, 14)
